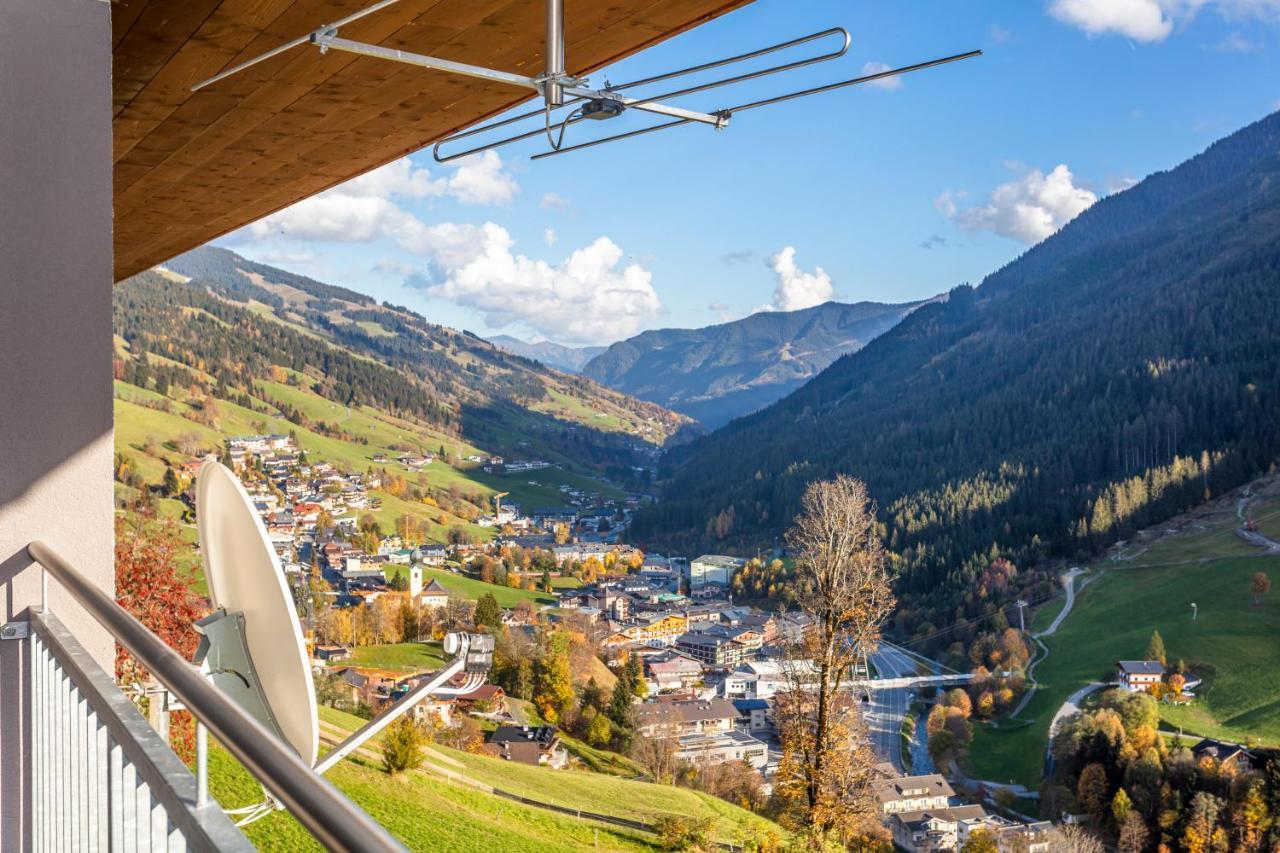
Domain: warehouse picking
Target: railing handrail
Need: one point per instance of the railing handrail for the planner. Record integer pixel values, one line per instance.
(334, 820)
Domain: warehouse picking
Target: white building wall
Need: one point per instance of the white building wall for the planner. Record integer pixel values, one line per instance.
(55, 335)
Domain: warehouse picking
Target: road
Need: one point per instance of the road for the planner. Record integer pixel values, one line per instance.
(885, 711)
(1069, 707)
(1069, 582)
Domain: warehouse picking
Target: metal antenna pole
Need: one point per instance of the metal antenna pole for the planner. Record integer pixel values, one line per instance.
(552, 91)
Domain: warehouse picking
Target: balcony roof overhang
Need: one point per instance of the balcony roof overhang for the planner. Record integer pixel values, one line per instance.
(189, 167)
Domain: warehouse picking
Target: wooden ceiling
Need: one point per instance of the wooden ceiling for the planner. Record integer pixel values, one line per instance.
(191, 167)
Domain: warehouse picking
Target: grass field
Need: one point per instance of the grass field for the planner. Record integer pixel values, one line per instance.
(1231, 642)
(473, 589)
(410, 657)
(428, 813)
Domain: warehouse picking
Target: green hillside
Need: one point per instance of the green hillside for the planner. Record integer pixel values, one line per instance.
(429, 813)
(1150, 587)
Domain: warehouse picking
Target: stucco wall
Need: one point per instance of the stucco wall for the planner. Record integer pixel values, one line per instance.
(55, 332)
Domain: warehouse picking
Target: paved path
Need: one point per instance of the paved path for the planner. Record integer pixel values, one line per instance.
(1069, 707)
(1069, 582)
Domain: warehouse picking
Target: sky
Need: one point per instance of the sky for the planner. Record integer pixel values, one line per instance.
(890, 192)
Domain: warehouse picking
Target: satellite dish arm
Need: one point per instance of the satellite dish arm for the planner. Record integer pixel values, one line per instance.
(396, 711)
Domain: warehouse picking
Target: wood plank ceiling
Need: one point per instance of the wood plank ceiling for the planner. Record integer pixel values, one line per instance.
(191, 167)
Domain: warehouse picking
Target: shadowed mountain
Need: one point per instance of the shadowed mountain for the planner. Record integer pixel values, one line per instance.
(1119, 372)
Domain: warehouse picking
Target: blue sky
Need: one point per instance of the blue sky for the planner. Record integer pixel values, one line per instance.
(888, 194)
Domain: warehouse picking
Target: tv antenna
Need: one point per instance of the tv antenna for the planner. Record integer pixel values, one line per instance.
(560, 90)
(251, 645)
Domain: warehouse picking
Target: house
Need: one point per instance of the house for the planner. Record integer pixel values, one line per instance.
(685, 717)
(713, 569)
(1230, 756)
(753, 715)
(539, 746)
(912, 793)
(711, 649)
(931, 829)
(332, 653)
(1010, 836)
(673, 671)
(1139, 674)
(485, 699)
(433, 596)
(435, 709)
(717, 747)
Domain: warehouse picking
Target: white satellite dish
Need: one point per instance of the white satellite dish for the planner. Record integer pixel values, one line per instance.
(252, 643)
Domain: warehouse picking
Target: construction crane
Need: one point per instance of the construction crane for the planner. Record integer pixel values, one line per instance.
(497, 503)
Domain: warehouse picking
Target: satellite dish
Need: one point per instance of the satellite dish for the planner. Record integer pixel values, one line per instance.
(252, 643)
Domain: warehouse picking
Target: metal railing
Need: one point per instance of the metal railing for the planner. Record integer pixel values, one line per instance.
(101, 777)
(66, 678)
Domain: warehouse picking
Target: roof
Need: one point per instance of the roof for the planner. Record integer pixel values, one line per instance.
(660, 713)
(1218, 749)
(720, 560)
(189, 167)
(434, 587)
(543, 735)
(1141, 667)
(912, 787)
(953, 814)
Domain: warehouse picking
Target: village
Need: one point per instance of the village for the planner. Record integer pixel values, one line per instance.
(704, 674)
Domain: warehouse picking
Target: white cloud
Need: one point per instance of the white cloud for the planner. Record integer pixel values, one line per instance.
(887, 83)
(480, 179)
(1151, 20)
(553, 201)
(365, 208)
(999, 34)
(1029, 208)
(796, 288)
(1142, 20)
(549, 236)
(590, 298)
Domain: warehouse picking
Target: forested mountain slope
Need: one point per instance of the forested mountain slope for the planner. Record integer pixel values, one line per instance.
(721, 372)
(1118, 372)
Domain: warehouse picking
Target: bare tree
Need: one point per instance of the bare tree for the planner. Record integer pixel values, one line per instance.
(1072, 839)
(843, 588)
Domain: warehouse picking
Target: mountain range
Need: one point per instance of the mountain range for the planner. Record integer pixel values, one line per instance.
(717, 373)
(559, 356)
(1120, 371)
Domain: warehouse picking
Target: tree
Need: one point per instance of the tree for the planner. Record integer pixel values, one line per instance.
(1091, 791)
(620, 704)
(1133, 834)
(1260, 586)
(842, 584)
(599, 731)
(981, 841)
(1155, 648)
(552, 681)
(1073, 839)
(151, 584)
(1177, 681)
(488, 612)
(1121, 806)
(402, 746)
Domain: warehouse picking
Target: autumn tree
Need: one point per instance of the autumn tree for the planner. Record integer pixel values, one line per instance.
(1133, 834)
(1074, 839)
(981, 841)
(1091, 791)
(402, 746)
(151, 584)
(1260, 586)
(552, 683)
(1155, 648)
(842, 584)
